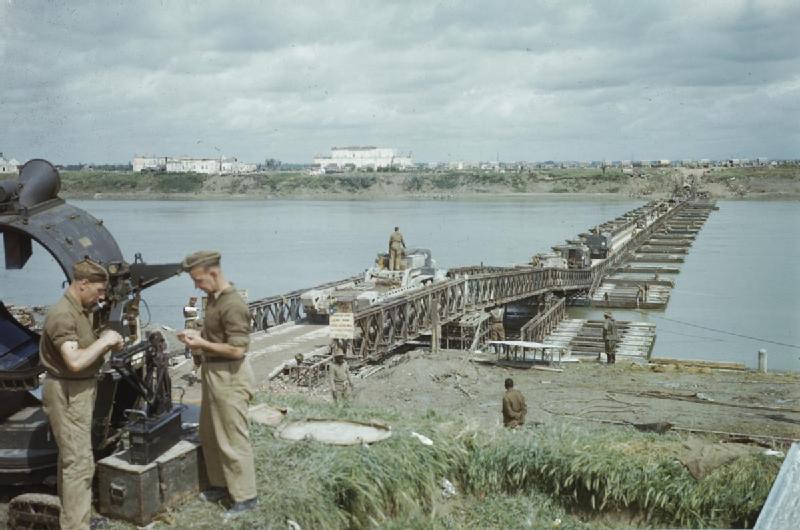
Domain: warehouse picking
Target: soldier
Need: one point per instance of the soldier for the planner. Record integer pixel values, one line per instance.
(228, 385)
(514, 407)
(496, 329)
(339, 377)
(72, 354)
(610, 337)
(396, 247)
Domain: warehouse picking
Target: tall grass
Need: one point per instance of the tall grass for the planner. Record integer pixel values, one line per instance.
(532, 478)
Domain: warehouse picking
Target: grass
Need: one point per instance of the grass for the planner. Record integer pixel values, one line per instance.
(547, 477)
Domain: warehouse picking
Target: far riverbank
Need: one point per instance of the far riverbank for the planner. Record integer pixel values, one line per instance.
(767, 183)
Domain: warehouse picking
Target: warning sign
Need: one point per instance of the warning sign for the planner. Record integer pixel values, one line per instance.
(342, 326)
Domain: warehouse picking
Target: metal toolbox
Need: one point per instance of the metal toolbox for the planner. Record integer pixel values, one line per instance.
(136, 493)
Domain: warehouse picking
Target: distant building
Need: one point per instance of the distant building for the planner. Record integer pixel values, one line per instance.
(365, 157)
(8, 166)
(207, 166)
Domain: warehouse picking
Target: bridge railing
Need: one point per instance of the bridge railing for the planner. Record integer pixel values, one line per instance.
(537, 328)
(268, 312)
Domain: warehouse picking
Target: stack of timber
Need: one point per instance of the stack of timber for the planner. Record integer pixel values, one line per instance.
(585, 337)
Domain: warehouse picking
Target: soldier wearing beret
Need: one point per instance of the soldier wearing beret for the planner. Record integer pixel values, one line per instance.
(228, 385)
(72, 354)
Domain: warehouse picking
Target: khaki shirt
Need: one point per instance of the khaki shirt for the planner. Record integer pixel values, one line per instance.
(339, 374)
(67, 321)
(610, 330)
(514, 408)
(396, 237)
(227, 320)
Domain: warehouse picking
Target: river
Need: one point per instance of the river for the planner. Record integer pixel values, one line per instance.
(737, 292)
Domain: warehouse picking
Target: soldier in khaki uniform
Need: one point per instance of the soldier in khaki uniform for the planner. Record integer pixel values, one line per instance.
(72, 354)
(339, 377)
(514, 407)
(396, 247)
(610, 338)
(496, 329)
(228, 385)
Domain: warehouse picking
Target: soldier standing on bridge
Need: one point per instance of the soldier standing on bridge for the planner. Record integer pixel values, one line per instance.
(496, 329)
(396, 247)
(228, 385)
(610, 338)
(72, 354)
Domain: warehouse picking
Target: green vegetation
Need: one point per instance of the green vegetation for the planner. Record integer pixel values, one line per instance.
(780, 181)
(90, 182)
(545, 477)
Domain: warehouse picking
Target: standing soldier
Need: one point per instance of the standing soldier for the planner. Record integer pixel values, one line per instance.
(610, 337)
(339, 376)
(72, 354)
(496, 329)
(514, 407)
(396, 247)
(228, 385)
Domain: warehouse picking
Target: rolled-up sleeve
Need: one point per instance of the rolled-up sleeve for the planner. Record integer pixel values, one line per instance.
(61, 329)
(236, 320)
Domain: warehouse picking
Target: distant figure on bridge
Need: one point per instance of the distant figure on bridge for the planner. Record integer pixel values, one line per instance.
(514, 407)
(339, 376)
(610, 338)
(396, 248)
(496, 329)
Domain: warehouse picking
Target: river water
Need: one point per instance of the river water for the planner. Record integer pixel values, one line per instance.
(740, 276)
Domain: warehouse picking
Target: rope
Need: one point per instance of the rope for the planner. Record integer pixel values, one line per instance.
(728, 332)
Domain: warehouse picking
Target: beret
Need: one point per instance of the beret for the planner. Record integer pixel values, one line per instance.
(89, 270)
(201, 257)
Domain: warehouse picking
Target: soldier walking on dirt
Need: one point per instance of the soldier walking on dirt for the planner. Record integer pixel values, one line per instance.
(396, 247)
(514, 407)
(610, 338)
(228, 385)
(72, 354)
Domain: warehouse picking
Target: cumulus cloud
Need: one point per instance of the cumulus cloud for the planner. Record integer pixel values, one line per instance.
(100, 81)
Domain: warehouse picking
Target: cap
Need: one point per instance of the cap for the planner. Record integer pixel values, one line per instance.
(89, 270)
(338, 353)
(206, 258)
(607, 314)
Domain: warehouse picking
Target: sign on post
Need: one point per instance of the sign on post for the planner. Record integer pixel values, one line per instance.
(342, 326)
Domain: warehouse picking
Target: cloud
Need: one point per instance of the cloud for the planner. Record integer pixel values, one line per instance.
(101, 81)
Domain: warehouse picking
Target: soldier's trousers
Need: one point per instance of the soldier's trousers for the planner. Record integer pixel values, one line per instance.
(69, 405)
(395, 258)
(497, 331)
(341, 392)
(611, 356)
(224, 430)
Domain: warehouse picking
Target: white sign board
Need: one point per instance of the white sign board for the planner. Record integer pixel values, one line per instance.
(342, 326)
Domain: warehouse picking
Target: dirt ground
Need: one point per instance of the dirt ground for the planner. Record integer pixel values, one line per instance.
(710, 400)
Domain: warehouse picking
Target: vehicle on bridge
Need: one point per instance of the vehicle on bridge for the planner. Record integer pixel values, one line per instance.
(378, 284)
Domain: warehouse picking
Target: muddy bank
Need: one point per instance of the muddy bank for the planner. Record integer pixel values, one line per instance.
(742, 402)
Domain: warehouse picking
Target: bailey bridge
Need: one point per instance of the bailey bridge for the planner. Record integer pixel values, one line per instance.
(393, 323)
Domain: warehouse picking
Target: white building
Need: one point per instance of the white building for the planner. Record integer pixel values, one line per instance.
(207, 166)
(8, 166)
(365, 157)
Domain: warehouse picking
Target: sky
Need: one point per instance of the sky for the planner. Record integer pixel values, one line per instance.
(448, 81)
